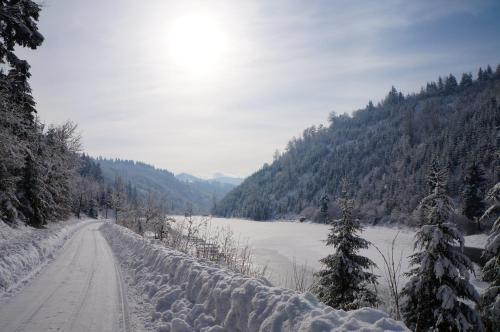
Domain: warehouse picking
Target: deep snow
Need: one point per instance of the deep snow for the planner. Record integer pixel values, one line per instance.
(182, 293)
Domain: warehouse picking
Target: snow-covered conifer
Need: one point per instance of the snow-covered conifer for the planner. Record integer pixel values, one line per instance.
(345, 283)
(439, 296)
(490, 298)
(473, 201)
(323, 211)
(36, 198)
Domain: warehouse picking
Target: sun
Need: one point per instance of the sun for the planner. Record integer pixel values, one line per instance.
(197, 43)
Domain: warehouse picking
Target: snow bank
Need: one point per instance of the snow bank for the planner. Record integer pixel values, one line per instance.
(25, 250)
(476, 240)
(185, 294)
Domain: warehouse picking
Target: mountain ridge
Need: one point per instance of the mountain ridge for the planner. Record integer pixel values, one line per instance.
(383, 150)
(178, 196)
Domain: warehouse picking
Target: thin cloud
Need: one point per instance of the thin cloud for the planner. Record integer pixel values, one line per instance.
(105, 65)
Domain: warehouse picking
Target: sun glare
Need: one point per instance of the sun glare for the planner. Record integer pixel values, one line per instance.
(197, 43)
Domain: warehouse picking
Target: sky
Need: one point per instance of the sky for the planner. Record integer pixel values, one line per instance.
(217, 86)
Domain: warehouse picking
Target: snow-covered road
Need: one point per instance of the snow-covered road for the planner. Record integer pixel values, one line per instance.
(81, 290)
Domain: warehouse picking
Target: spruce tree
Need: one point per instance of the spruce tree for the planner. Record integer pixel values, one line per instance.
(37, 204)
(440, 84)
(466, 80)
(439, 296)
(480, 75)
(490, 298)
(344, 283)
(19, 28)
(488, 72)
(450, 84)
(473, 202)
(323, 210)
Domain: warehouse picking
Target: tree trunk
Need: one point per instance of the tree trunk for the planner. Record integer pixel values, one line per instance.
(80, 205)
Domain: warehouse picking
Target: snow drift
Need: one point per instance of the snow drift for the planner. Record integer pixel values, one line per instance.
(186, 294)
(25, 250)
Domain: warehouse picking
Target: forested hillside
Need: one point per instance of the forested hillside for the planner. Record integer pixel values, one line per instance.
(38, 163)
(385, 152)
(177, 196)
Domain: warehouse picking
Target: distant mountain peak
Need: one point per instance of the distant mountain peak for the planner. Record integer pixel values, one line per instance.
(222, 178)
(185, 177)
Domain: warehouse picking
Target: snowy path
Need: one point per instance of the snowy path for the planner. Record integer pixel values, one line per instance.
(81, 290)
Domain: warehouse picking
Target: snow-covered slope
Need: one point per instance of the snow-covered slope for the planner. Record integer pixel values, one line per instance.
(185, 294)
(25, 250)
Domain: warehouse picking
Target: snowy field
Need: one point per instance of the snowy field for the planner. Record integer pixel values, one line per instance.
(278, 244)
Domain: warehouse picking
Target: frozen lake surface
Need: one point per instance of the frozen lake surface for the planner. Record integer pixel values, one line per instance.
(277, 244)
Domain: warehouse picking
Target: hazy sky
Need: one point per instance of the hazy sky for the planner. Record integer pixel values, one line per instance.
(218, 86)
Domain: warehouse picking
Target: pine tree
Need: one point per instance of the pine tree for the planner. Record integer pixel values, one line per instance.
(473, 202)
(490, 298)
(488, 72)
(466, 80)
(440, 84)
(118, 197)
(394, 97)
(323, 210)
(434, 299)
(450, 84)
(37, 201)
(344, 283)
(480, 75)
(19, 27)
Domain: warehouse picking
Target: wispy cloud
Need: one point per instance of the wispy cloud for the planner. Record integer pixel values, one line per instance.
(105, 64)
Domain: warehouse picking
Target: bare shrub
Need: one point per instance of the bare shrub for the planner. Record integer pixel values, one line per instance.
(393, 275)
(197, 237)
(300, 277)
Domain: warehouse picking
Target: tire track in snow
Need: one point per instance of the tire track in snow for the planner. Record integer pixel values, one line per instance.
(125, 318)
(88, 284)
(81, 290)
(55, 288)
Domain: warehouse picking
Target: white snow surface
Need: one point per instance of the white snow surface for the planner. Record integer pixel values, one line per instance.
(80, 290)
(182, 293)
(476, 240)
(25, 250)
(277, 244)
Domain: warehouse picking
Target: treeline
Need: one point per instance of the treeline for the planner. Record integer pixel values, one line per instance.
(36, 163)
(43, 176)
(384, 150)
(179, 196)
